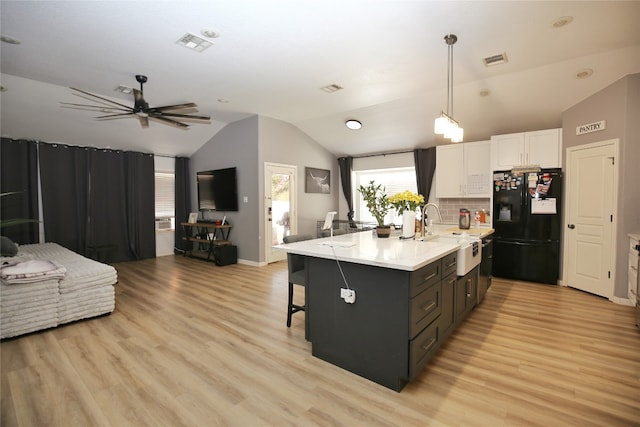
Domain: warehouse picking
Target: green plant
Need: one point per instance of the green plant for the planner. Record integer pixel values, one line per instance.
(377, 200)
(406, 201)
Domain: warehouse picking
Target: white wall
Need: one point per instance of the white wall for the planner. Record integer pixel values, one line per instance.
(165, 240)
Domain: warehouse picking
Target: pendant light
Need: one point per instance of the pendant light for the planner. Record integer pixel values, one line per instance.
(445, 124)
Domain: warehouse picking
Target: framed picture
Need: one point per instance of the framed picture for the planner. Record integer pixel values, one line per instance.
(317, 180)
(193, 217)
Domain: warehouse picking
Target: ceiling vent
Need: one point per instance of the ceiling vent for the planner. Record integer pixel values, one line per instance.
(193, 42)
(495, 59)
(123, 89)
(332, 88)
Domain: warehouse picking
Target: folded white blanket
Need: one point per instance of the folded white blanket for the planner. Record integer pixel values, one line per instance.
(12, 293)
(32, 271)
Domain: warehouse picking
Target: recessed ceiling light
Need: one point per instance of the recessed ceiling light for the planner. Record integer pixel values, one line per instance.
(562, 21)
(9, 39)
(223, 101)
(584, 74)
(353, 124)
(208, 32)
(332, 88)
(193, 42)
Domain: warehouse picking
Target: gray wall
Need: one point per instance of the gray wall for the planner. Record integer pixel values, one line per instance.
(281, 142)
(619, 105)
(247, 144)
(236, 145)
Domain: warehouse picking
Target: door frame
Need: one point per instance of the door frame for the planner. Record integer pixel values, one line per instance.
(270, 255)
(615, 142)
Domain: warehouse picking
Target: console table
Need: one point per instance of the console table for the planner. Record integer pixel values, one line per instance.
(209, 234)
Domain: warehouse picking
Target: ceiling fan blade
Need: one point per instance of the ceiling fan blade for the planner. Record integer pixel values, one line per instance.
(183, 116)
(100, 97)
(144, 121)
(88, 107)
(169, 122)
(114, 116)
(174, 107)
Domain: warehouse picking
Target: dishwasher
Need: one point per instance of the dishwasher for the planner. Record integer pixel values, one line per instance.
(486, 266)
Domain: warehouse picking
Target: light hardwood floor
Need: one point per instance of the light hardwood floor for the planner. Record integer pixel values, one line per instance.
(193, 344)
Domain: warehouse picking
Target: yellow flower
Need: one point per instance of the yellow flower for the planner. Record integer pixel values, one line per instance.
(406, 201)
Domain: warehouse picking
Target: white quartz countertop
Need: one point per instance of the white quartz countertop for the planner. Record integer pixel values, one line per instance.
(365, 248)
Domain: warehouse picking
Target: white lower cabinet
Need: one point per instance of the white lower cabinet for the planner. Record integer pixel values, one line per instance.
(463, 170)
(542, 148)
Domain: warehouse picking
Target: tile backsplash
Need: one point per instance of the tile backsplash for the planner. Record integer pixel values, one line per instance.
(450, 208)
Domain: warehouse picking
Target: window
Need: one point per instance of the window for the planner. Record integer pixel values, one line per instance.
(394, 180)
(165, 200)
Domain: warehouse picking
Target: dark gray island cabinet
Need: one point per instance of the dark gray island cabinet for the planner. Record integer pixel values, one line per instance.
(395, 326)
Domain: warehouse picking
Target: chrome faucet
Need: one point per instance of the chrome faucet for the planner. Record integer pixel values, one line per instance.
(424, 216)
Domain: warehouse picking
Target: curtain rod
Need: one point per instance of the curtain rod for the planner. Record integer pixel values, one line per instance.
(382, 154)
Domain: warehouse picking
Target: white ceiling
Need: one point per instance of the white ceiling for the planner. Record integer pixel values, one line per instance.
(273, 56)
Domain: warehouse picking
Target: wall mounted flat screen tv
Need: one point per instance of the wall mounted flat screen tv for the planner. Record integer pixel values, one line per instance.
(217, 190)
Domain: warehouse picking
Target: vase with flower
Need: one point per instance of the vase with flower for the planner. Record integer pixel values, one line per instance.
(406, 204)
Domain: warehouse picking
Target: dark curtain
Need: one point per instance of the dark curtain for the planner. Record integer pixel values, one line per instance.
(141, 204)
(346, 166)
(122, 205)
(182, 200)
(19, 173)
(99, 203)
(425, 163)
(64, 177)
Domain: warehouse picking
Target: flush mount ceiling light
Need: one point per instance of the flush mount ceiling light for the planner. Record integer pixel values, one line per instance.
(445, 124)
(193, 42)
(353, 124)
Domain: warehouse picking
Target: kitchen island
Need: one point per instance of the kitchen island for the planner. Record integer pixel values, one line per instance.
(393, 328)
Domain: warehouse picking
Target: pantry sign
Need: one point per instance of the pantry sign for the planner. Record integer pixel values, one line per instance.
(591, 127)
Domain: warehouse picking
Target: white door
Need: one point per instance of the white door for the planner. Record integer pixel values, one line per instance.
(280, 205)
(591, 204)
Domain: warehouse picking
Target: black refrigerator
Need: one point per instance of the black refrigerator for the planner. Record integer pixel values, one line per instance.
(527, 222)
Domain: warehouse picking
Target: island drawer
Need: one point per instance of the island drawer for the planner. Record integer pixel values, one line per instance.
(425, 308)
(425, 277)
(422, 348)
(449, 264)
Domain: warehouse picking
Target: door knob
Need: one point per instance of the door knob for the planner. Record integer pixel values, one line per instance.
(571, 226)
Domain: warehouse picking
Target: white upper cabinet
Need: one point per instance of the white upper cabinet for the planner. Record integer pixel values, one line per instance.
(463, 170)
(543, 147)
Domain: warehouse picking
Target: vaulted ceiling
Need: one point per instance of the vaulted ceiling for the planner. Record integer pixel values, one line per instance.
(273, 57)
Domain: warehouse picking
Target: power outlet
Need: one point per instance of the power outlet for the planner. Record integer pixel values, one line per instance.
(348, 295)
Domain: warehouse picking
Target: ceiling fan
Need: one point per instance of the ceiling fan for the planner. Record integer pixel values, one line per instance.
(140, 110)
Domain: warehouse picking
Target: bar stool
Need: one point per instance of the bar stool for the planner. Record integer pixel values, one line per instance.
(297, 273)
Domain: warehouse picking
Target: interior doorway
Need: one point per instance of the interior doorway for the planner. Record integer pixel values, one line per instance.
(592, 193)
(280, 207)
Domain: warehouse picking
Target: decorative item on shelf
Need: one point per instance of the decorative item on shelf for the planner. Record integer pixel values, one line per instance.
(377, 202)
(445, 124)
(406, 204)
